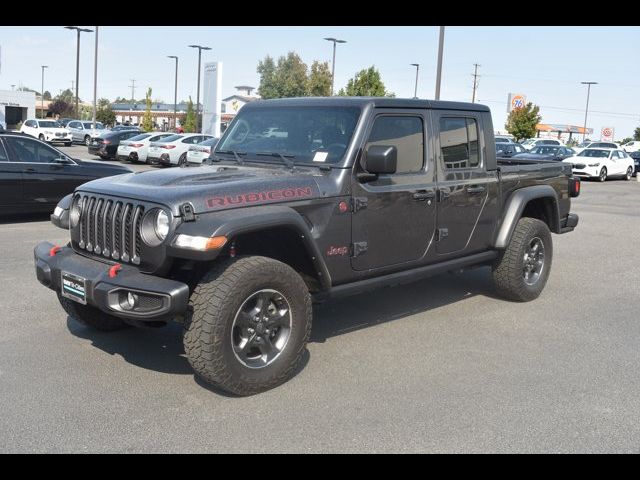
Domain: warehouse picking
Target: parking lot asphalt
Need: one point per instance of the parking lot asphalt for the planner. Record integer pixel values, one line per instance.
(81, 152)
(442, 365)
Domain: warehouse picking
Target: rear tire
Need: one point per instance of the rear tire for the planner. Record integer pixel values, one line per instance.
(249, 325)
(522, 270)
(629, 174)
(41, 137)
(91, 316)
(182, 161)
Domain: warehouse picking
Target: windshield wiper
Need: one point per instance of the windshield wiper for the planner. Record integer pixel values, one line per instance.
(286, 159)
(235, 154)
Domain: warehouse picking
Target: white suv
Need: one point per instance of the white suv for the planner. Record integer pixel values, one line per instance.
(632, 146)
(47, 131)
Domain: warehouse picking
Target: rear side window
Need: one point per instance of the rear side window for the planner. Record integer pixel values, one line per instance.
(459, 142)
(3, 153)
(404, 132)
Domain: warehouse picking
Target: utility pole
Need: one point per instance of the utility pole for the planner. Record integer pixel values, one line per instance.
(175, 93)
(42, 92)
(439, 70)
(133, 90)
(200, 48)
(78, 31)
(333, 62)
(586, 111)
(95, 80)
(415, 90)
(475, 81)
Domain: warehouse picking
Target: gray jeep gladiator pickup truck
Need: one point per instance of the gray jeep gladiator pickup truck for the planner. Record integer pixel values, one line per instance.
(301, 200)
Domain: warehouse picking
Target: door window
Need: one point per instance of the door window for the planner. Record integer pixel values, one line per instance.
(32, 151)
(406, 133)
(459, 142)
(3, 154)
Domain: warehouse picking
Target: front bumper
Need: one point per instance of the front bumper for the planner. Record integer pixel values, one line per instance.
(160, 299)
(54, 138)
(569, 223)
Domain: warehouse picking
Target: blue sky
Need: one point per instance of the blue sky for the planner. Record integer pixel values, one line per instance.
(545, 63)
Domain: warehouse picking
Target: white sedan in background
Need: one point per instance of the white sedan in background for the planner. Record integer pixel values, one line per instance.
(173, 150)
(136, 148)
(200, 152)
(602, 163)
(632, 146)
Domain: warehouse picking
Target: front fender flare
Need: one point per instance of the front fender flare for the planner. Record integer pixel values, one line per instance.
(231, 223)
(514, 206)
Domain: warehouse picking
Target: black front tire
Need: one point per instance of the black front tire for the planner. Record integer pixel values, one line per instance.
(209, 327)
(182, 161)
(91, 316)
(508, 270)
(68, 144)
(603, 175)
(87, 140)
(629, 174)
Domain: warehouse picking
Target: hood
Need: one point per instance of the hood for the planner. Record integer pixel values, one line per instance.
(534, 156)
(211, 187)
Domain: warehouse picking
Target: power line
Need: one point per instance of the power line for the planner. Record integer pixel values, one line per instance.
(475, 81)
(617, 114)
(133, 90)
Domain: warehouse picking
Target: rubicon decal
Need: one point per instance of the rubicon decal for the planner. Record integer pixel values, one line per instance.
(337, 251)
(260, 197)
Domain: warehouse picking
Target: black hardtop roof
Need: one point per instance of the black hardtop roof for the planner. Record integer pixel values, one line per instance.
(380, 102)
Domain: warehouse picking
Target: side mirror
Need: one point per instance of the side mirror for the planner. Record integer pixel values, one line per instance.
(62, 161)
(380, 159)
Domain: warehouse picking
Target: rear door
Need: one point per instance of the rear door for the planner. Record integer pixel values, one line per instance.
(10, 181)
(464, 185)
(394, 218)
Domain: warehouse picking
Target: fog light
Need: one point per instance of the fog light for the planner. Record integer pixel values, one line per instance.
(129, 302)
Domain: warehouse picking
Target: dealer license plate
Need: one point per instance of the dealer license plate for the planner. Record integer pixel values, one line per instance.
(74, 287)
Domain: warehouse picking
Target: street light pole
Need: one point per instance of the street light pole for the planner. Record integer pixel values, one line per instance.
(439, 71)
(95, 81)
(175, 94)
(415, 91)
(586, 111)
(42, 92)
(333, 62)
(79, 30)
(200, 48)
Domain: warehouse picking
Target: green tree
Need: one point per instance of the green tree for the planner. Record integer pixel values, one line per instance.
(319, 80)
(625, 140)
(147, 120)
(61, 107)
(189, 124)
(636, 134)
(287, 78)
(366, 83)
(47, 95)
(66, 95)
(104, 112)
(521, 122)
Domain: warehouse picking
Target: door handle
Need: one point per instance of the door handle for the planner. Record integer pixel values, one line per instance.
(29, 170)
(423, 195)
(476, 189)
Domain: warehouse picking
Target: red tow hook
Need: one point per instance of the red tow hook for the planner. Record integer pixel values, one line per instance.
(113, 271)
(55, 249)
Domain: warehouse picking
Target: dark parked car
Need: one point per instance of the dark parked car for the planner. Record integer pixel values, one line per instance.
(508, 150)
(636, 160)
(547, 152)
(106, 145)
(35, 176)
(118, 128)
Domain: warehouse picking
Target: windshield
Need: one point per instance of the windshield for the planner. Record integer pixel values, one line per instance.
(140, 137)
(594, 153)
(89, 125)
(48, 124)
(170, 138)
(305, 134)
(545, 150)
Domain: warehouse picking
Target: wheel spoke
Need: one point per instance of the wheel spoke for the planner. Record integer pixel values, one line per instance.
(244, 320)
(265, 346)
(279, 319)
(242, 349)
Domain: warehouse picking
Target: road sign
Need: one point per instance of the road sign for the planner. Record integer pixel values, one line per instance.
(606, 134)
(516, 100)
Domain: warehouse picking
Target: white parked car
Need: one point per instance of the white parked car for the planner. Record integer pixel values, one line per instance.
(597, 145)
(172, 150)
(136, 148)
(537, 142)
(200, 152)
(632, 146)
(602, 163)
(47, 131)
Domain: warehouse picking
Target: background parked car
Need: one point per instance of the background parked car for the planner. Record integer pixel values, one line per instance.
(136, 148)
(200, 152)
(84, 132)
(636, 160)
(602, 163)
(632, 146)
(35, 176)
(46, 131)
(504, 139)
(173, 150)
(65, 121)
(598, 145)
(508, 150)
(547, 152)
(106, 145)
(534, 142)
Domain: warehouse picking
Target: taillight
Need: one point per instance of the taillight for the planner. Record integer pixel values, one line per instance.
(206, 150)
(106, 142)
(137, 145)
(574, 186)
(168, 147)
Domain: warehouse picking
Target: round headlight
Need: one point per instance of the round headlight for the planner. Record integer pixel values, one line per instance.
(162, 224)
(74, 214)
(155, 227)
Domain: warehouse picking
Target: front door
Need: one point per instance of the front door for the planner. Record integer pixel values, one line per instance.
(464, 185)
(395, 214)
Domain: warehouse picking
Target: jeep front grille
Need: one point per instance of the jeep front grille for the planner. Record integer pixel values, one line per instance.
(110, 228)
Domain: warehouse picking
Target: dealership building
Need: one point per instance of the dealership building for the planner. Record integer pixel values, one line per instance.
(15, 107)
